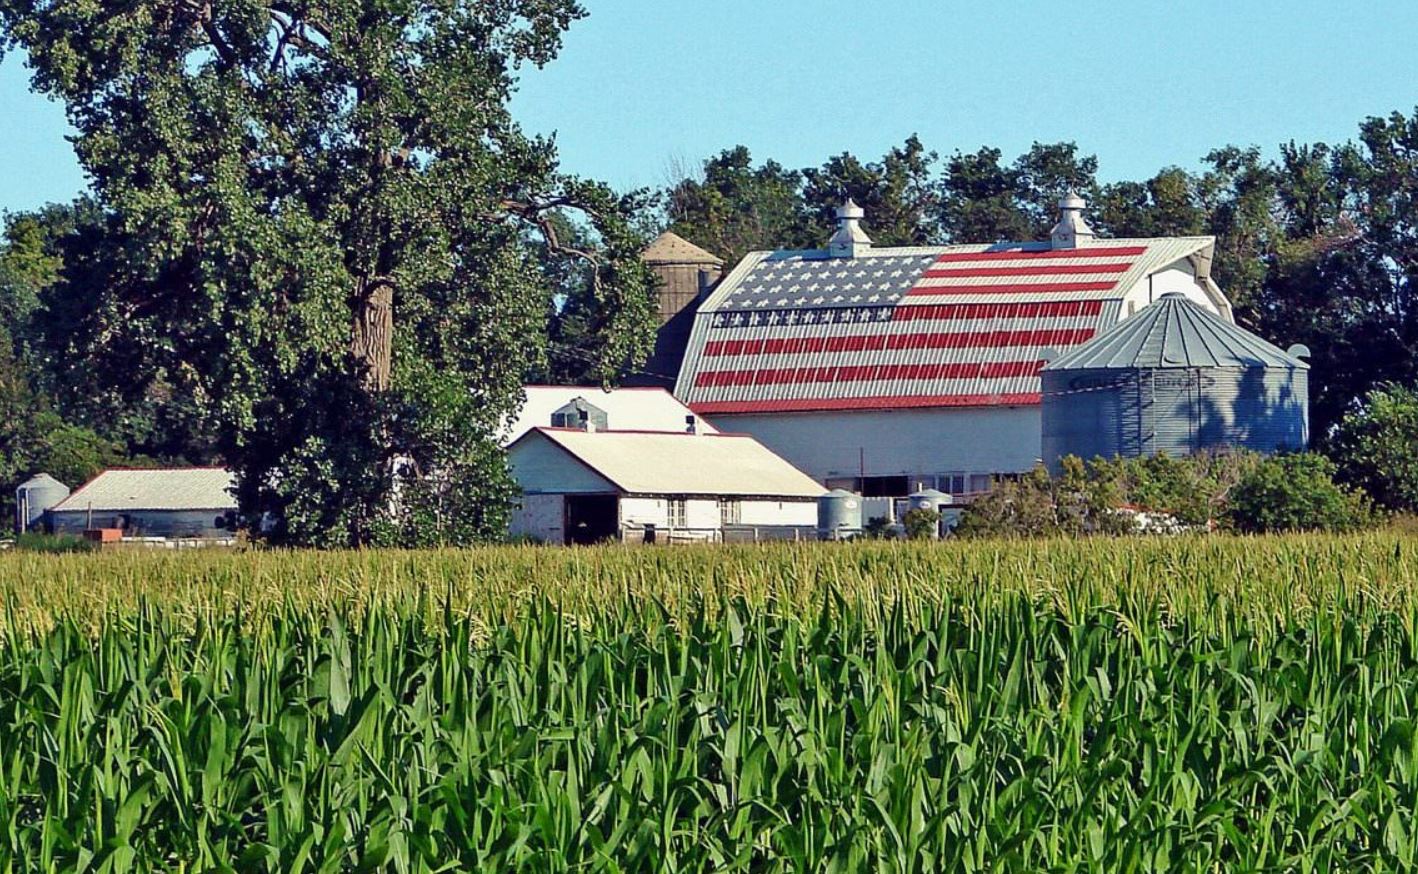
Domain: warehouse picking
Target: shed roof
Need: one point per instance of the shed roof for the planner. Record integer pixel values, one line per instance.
(671, 248)
(122, 490)
(640, 409)
(935, 326)
(658, 463)
(1175, 333)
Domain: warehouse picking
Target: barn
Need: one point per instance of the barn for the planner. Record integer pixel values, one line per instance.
(584, 485)
(188, 502)
(890, 370)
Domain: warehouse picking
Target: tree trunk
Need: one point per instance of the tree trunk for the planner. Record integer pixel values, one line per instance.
(372, 340)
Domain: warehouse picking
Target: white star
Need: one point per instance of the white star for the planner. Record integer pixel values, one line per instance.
(753, 320)
(774, 317)
(762, 302)
(805, 276)
(800, 301)
(895, 274)
(809, 318)
(794, 289)
(855, 298)
(842, 275)
(737, 319)
(813, 287)
(849, 286)
(860, 274)
(874, 298)
(782, 301)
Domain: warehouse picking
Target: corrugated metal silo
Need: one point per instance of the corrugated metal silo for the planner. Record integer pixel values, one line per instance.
(839, 515)
(34, 497)
(1173, 379)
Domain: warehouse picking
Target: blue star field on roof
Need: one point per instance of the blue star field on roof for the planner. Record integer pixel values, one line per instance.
(808, 283)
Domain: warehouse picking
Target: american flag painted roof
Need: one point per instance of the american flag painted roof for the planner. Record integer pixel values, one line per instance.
(915, 327)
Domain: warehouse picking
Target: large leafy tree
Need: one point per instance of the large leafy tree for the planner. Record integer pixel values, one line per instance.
(734, 207)
(321, 212)
(898, 193)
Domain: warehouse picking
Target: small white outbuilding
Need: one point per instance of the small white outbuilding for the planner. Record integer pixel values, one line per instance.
(587, 486)
(191, 502)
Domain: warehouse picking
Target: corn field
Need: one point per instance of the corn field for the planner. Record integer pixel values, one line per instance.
(1125, 705)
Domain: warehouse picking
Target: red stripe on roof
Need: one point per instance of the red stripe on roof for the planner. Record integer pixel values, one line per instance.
(1032, 270)
(866, 373)
(1032, 288)
(880, 342)
(1019, 254)
(802, 405)
(961, 311)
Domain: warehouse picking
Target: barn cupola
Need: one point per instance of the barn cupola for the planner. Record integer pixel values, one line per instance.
(850, 240)
(1072, 232)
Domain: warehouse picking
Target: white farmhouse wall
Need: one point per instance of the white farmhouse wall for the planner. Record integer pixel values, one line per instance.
(540, 516)
(754, 512)
(644, 511)
(540, 467)
(896, 442)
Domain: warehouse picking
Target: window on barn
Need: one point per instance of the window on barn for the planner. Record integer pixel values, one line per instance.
(730, 511)
(850, 483)
(678, 513)
(885, 486)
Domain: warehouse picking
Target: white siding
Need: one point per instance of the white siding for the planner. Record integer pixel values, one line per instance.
(896, 442)
(541, 468)
(779, 513)
(1178, 278)
(644, 511)
(540, 516)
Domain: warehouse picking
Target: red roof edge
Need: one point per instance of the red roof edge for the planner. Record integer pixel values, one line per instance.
(803, 405)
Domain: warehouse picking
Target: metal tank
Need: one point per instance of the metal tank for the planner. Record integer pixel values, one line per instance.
(1174, 379)
(839, 515)
(35, 497)
(928, 499)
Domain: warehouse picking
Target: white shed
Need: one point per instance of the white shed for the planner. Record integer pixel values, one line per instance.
(590, 486)
(193, 502)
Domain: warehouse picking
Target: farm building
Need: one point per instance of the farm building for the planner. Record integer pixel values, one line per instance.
(192, 502)
(1174, 379)
(631, 409)
(888, 371)
(585, 486)
(686, 274)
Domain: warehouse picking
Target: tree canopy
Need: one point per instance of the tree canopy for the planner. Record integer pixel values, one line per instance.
(324, 233)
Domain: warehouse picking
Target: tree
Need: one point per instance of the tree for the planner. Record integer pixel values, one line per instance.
(320, 232)
(1376, 447)
(898, 193)
(737, 208)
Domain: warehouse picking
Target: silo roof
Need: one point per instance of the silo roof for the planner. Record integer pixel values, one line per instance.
(1174, 332)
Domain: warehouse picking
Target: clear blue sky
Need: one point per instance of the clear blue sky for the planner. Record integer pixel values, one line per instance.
(1143, 84)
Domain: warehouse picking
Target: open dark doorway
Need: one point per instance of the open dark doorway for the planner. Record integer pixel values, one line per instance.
(591, 518)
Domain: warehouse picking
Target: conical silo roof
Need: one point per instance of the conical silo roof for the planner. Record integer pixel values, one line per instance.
(1175, 332)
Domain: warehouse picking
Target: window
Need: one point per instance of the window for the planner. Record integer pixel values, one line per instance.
(980, 482)
(678, 513)
(885, 487)
(849, 483)
(953, 483)
(730, 511)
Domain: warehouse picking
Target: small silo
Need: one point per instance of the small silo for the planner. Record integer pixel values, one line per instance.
(34, 498)
(839, 515)
(930, 500)
(1174, 379)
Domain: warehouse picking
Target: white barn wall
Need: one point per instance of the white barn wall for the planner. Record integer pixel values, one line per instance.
(778, 513)
(540, 516)
(540, 467)
(894, 442)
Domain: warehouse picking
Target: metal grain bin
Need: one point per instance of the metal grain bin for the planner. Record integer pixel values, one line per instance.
(1173, 379)
(34, 498)
(839, 515)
